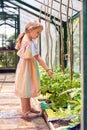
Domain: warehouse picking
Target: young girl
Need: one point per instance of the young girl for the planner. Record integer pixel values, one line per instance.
(27, 81)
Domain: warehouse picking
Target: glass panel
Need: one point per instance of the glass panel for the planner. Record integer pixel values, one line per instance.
(25, 17)
(8, 15)
(8, 8)
(75, 36)
(7, 37)
(7, 59)
(45, 5)
(50, 40)
(76, 44)
(8, 32)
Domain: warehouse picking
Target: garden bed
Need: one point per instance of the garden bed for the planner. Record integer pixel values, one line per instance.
(63, 99)
(55, 123)
(59, 124)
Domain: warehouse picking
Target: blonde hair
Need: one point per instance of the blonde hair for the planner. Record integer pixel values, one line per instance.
(32, 25)
(29, 26)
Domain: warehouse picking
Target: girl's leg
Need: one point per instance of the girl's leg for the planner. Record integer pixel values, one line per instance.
(25, 104)
(26, 110)
(35, 106)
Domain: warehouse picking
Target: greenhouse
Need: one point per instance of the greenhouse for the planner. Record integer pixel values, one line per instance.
(62, 46)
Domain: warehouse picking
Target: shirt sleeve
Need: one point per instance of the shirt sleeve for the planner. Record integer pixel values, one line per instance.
(24, 52)
(34, 49)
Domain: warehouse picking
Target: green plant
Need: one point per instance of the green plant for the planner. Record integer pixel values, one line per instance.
(58, 87)
(64, 94)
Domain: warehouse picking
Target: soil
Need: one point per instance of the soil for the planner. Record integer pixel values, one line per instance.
(60, 123)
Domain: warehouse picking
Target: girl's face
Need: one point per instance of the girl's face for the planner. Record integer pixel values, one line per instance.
(34, 33)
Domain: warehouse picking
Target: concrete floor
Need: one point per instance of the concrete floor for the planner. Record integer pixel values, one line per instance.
(10, 109)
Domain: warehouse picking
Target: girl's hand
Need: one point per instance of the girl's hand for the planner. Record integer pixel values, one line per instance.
(50, 72)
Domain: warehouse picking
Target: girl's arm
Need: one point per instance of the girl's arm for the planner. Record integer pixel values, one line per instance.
(43, 64)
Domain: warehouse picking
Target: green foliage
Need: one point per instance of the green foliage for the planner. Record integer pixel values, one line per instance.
(64, 94)
(7, 59)
(60, 83)
(11, 41)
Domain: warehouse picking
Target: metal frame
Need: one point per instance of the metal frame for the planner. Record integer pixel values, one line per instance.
(9, 15)
(84, 67)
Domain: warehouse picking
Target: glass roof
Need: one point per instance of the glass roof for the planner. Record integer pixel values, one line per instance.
(8, 13)
(50, 8)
